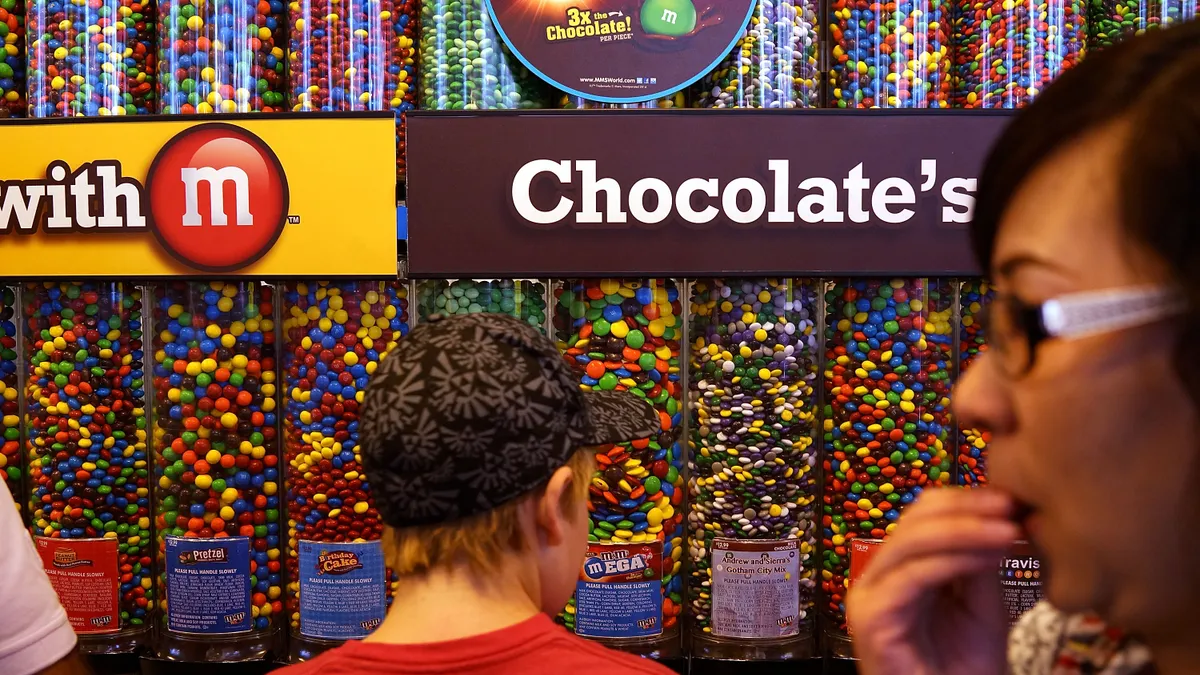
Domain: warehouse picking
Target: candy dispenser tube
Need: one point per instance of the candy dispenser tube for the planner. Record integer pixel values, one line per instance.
(466, 66)
(12, 61)
(335, 334)
(88, 59)
(524, 299)
(12, 459)
(86, 439)
(216, 454)
(1110, 21)
(1007, 51)
(222, 56)
(885, 420)
(637, 492)
(863, 70)
(773, 65)
(350, 56)
(971, 341)
(762, 319)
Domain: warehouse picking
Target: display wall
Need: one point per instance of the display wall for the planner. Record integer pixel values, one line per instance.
(152, 418)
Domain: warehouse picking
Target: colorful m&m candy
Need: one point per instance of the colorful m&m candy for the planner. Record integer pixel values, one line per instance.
(353, 56)
(1112, 20)
(886, 418)
(1007, 51)
(752, 453)
(974, 295)
(524, 299)
(336, 335)
(624, 335)
(773, 65)
(86, 420)
(91, 58)
(216, 448)
(889, 54)
(12, 59)
(222, 56)
(465, 66)
(11, 457)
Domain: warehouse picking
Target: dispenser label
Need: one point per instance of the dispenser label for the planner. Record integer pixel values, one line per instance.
(85, 575)
(755, 588)
(619, 592)
(1021, 580)
(208, 585)
(343, 589)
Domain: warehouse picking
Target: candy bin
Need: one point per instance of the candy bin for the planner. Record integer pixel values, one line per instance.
(625, 335)
(355, 55)
(889, 54)
(12, 460)
(886, 419)
(1111, 20)
(12, 65)
(88, 461)
(216, 463)
(335, 333)
(676, 100)
(752, 469)
(1007, 51)
(222, 56)
(974, 295)
(90, 58)
(465, 65)
(524, 299)
(774, 65)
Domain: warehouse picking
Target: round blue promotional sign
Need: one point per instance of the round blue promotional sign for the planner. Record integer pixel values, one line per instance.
(620, 51)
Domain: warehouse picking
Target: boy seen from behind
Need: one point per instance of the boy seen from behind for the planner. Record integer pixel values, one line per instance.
(477, 442)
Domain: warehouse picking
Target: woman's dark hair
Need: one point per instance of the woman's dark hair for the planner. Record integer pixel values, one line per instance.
(1151, 82)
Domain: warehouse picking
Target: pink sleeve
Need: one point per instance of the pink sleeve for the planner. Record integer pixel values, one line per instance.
(34, 632)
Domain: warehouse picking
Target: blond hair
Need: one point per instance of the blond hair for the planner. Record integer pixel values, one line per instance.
(481, 539)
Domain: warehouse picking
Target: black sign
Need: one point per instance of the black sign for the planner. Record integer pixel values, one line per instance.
(693, 193)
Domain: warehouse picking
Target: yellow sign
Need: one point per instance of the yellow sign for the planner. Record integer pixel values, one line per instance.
(240, 195)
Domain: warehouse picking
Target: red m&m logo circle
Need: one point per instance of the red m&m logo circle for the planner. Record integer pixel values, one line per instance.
(217, 197)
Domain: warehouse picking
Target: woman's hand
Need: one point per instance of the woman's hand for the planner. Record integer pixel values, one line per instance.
(929, 603)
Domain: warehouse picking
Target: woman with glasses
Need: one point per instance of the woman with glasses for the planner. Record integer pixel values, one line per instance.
(1088, 220)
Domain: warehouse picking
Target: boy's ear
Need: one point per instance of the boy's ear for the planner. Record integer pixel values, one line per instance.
(550, 515)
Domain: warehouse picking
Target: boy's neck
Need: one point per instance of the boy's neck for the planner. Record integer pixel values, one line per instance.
(455, 603)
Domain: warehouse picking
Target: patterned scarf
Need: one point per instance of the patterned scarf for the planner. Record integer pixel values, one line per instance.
(1048, 642)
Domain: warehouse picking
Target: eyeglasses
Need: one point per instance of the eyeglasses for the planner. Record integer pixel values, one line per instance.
(1015, 329)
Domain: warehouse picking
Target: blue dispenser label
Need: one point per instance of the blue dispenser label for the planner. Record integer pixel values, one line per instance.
(619, 592)
(343, 589)
(208, 585)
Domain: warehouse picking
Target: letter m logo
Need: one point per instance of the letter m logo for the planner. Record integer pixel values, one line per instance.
(216, 180)
(670, 17)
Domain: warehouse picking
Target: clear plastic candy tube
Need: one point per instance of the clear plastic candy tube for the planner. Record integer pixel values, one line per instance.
(465, 65)
(91, 58)
(336, 334)
(88, 455)
(524, 299)
(625, 335)
(886, 424)
(1009, 50)
(216, 455)
(222, 56)
(753, 485)
(889, 54)
(974, 295)
(356, 55)
(774, 65)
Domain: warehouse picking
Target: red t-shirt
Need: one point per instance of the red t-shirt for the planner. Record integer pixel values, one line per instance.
(536, 645)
